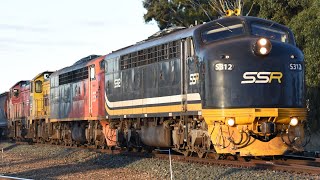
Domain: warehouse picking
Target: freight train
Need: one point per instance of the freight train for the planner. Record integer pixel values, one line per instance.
(232, 86)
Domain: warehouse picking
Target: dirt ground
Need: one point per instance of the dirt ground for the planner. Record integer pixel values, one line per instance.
(58, 163)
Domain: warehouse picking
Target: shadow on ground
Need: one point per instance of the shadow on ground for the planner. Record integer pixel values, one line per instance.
(101, 161)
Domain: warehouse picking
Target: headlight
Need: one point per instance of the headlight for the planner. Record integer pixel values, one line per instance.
(263, 50)
(294, 121)
(262, 47)
(231, 122)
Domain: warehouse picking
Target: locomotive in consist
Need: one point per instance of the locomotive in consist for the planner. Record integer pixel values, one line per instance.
(77, 112)
(62, 107)
(231, 86)
(3, 114)
(18, 109)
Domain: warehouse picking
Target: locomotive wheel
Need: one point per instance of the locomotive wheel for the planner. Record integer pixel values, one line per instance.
(247, 159)
(148, 149)
(201, 154)
(216, 156)
(139, 149)
(232, 157)
(129, 149)
(187, 153)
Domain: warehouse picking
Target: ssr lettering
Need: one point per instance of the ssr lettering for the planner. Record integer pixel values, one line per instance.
(261, 77)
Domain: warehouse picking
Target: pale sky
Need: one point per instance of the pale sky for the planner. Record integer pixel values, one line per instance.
(40, 35)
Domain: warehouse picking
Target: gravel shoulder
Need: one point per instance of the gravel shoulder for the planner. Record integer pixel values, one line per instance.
(55, 162)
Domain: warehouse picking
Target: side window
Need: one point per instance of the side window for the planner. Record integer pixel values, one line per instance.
(38, 86)
(102, 65)
(92, 73)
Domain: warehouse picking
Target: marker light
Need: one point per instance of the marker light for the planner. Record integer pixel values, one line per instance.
(262, 47)
(294, 121)
(231, 122)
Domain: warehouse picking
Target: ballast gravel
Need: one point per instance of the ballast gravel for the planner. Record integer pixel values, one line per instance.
(56, 162)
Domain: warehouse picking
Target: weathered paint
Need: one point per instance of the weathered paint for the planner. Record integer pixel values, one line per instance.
(79, 99)
(39, 107)
(3, 109)
(109, 134)
(19, 104)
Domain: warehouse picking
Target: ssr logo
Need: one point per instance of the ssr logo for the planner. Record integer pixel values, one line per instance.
(194, 79)
(117, 83)
(261, 77)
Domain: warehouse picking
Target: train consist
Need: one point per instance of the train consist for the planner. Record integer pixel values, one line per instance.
(231, 86)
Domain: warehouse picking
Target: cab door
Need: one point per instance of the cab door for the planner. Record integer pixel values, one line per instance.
(93, 90)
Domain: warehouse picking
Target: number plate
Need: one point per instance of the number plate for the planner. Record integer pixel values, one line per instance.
(223, 67)
(295, 66)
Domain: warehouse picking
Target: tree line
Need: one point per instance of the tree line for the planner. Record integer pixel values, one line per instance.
(302, 16)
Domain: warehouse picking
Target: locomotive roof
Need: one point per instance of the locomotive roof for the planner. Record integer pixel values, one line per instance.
(175, 35)
(40, 74)
(77, 65)
(21, 82)
(4, 94)
(182, 33)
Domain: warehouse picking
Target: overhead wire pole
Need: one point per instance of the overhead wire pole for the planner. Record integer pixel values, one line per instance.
(199, 5)
(217, 9)
(222, 4)
(250, 9)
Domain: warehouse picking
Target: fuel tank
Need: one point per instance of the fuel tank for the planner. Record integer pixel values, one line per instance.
(156, 136)
(78, 133)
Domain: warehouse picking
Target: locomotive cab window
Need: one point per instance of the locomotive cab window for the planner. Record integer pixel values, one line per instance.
(222, 31)
(38, 86)
(102, 65)
(270, 32)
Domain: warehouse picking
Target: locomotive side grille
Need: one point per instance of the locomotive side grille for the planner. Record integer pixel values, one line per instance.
(74, 76)
(150, 55)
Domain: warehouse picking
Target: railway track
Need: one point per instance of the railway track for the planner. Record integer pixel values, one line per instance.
(294, 164)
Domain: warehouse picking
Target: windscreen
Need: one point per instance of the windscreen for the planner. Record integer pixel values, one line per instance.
(270, 32)
(222, 31)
